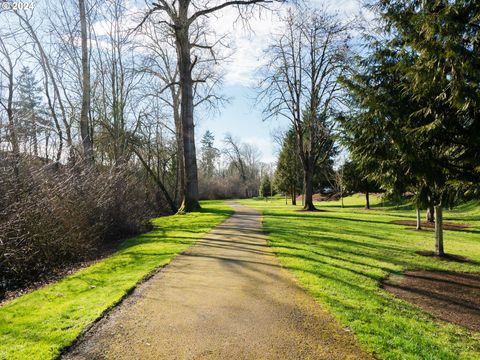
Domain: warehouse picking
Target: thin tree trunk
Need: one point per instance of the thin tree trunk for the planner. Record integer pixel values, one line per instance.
(85, 110)
(47, 141)
(35, 138)
(12, 128)
(190, 202)
(439, 231)
(157, 180)
(54, 117)
(294, 197)
(430, 214)
(12, 133)
(419, 222)
(45, 63)
(367, 200)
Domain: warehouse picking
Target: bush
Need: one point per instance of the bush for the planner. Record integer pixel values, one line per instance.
(226, 187)
(54, 215)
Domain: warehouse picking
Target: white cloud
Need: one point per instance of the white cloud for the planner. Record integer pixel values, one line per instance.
(264, 144)
(249, 43)
(345, 8)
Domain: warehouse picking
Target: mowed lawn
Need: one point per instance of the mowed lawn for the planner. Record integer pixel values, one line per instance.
(341, 256)
(40, 324)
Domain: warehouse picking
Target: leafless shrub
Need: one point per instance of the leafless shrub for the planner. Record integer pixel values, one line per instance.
(228, 187)
(52, 215)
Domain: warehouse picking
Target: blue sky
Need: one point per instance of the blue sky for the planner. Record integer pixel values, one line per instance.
(243, 120)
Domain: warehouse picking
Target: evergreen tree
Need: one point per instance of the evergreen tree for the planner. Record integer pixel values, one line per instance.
(29, 116)
(209, 154)
(265, 186)
(288, 177)
(444, 77)
(388, 131)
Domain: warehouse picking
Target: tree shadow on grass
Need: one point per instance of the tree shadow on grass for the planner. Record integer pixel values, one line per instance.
(309, 216)
(346, 274)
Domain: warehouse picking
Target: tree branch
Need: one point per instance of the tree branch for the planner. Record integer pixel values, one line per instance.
(221, 6)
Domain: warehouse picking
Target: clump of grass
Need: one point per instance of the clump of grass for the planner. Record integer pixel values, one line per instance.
(341, 256)
(40, 324)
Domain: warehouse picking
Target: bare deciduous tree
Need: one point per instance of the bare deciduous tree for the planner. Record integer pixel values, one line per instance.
(180, 16)
(245, 159)
(7, 64)
(300, 83)
(160, 62)
(49, 73)
(84, 132)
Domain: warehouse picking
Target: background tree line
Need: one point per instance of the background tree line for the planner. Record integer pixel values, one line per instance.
(233, 171)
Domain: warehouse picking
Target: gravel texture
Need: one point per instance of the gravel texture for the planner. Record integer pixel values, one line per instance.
(227, 297)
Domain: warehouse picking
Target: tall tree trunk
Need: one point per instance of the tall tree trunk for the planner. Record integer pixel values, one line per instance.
(367, 200)
(430, 214)
(308, 175)
(54, 117)
(190, 201)
(179, 140)
(419, 222)
(439, 231)
(12, 127)
(294, 197)
(84, 130)
(12, 133)
(34, 134)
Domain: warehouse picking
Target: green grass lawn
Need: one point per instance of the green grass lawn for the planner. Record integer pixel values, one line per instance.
(341, 255)
(40, 324)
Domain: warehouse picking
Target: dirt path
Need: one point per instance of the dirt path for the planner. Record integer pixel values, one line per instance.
(226, 298)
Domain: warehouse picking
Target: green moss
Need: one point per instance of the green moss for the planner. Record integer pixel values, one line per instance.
(341, 255)
(40, 324)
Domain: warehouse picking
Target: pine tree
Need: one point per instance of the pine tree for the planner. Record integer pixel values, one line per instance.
(444, 77)
(289, 170)
(265, 186)
(29, 116)
(209, 154)
(385, 131)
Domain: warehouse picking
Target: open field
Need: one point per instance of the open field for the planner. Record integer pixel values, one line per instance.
(40, 324)
(341, 256)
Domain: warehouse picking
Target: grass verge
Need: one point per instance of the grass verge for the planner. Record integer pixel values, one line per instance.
(40, 324)
(341, 256)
